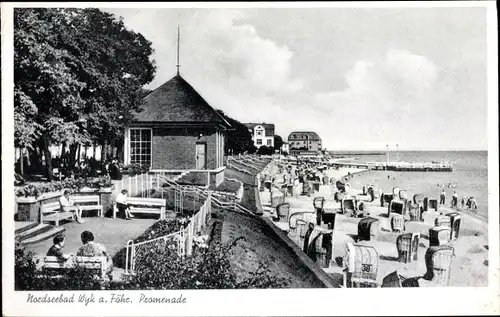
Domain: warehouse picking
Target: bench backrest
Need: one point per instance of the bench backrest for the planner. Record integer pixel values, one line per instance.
(86, 199)
(50, 206)
(147, 201)
(97, 263)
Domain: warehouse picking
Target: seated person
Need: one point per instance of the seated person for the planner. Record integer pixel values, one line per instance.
(69, 205)
(91, 248)
(57, 248)
(123, 207)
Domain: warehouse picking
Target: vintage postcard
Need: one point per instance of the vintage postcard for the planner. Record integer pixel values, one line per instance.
(226, 159)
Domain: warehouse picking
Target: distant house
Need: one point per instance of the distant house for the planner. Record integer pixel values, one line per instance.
(285, 147)
(177, 130)
(304, 141)
(262, 134)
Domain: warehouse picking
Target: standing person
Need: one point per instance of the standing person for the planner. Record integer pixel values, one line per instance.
(67, 204)
(442, 198)
(454, 200)
(57, 248)
(123, 207)
(462, 202)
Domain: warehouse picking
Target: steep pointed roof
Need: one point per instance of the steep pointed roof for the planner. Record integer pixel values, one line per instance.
(177, 101)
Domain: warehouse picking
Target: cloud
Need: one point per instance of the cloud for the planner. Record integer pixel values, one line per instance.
(264, 71)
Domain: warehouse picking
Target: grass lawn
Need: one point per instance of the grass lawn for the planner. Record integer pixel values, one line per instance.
(112, 233)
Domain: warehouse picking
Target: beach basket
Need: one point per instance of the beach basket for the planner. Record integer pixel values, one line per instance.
(302, 227)
(439, 236)
(326, 180)
(456, 220)
(407, 246)
(395, 191)
(361, 266)
(438, 263)
(340, 186)
(316, 186)
(442, 221)
(348, 205)
(338, 196)
(368, 228)
(398, 223)
(329, 219)
(385, 199)
(397, 280)
(398, 207)
(268, 184)
(415, 212)
(418, 199)
(277, 198)
(347, 188)
(283, 210)
(262, 185)
(319, 202)
(430, 203)
(320, 248)
(307, 237)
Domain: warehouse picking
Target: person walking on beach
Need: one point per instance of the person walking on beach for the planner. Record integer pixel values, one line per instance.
(454, 200)
(442, 198)
(462, 202)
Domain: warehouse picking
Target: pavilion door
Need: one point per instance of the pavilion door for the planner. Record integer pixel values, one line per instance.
(201, 158)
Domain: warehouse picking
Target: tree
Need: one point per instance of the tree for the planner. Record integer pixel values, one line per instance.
(239, 139)
(81, 69)
(278, 142)
(264, 150)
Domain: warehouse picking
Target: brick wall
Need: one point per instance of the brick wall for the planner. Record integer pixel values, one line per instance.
(176, 148)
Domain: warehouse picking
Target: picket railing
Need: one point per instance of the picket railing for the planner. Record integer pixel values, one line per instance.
(181, 240)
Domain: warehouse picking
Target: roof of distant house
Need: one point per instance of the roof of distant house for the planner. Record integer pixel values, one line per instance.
(303, 135)
(177, 101)
(269, 127)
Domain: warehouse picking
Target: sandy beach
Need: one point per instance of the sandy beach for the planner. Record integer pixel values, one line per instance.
(469, 265)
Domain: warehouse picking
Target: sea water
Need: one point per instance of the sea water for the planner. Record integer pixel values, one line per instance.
(468, 178)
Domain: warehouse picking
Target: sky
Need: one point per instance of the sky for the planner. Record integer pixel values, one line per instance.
(362, 78)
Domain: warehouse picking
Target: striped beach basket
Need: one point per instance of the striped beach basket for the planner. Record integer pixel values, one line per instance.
(456, 220)
(443, 221)
(438, 263)
(277, 198)
(348, 205)
(439, 236)
(368, 228)
(407, 246)
(398, 223)
(395, 191)
(283, 210)
(360, 266)
(430, 203)
(418, 199)
(385, 199)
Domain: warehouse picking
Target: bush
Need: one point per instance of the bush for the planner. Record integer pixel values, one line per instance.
(136, 169)
(27, 278)
(207, 268)
(158, 229)
(35, 190)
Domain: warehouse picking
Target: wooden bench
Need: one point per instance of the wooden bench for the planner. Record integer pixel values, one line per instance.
(57, 266)
(154, 206)
(52, 212)
(93, 202)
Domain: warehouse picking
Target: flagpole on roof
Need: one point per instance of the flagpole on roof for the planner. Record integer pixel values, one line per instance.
(178, 40)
